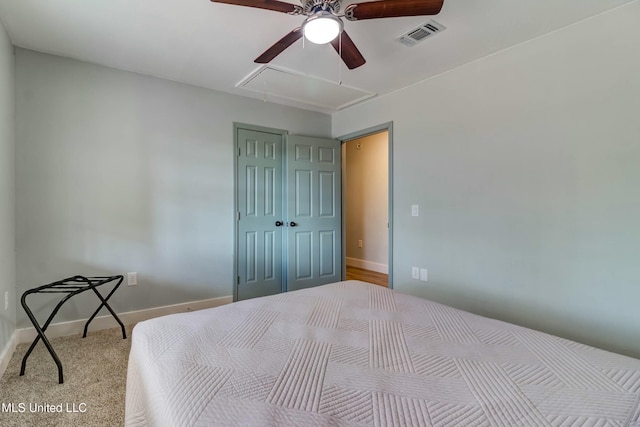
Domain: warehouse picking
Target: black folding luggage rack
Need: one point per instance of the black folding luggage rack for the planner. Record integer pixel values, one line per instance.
(71, 286)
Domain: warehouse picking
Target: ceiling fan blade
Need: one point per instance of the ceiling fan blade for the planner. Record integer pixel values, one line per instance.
(392, 9)
(278, 6)
(350, 53)
(279, 46)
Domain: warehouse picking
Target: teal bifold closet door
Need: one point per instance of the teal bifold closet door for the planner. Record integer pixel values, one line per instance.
(288, 197)
(259, 202)
(314, 213)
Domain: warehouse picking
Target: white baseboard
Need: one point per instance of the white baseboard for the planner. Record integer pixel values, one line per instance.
(73, 327)
(7, 352)
(367, 265)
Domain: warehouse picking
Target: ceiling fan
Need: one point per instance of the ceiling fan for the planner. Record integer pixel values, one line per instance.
(323, 23)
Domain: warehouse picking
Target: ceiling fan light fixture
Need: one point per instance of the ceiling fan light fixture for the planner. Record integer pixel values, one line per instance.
(322, 27)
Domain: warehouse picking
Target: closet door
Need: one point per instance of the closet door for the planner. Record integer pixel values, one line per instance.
(259, 258)
(313, 207)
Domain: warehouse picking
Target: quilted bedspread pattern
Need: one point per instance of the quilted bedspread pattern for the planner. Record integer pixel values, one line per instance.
(352, 353)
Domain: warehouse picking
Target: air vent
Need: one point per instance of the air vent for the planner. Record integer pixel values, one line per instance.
(423, 32)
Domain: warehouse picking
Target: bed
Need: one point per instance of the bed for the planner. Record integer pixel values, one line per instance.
(353, 353)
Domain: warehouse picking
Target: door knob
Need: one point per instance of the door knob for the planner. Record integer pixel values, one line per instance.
(293, 224)
(279, 223)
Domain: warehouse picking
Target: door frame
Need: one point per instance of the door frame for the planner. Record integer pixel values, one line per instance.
(356, 135)
(236, 126)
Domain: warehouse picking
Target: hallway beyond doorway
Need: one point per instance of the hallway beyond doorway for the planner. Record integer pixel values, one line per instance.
(355, 273)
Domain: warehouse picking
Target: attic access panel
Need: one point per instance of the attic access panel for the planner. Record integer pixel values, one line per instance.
(314, 91)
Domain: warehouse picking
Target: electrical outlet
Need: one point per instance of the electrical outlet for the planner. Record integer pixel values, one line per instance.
(360, 243)
(424, 275)
(415, 273)
(132, 279)
(6, 300)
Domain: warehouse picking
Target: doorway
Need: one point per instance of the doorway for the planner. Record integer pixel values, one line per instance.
(367, 214)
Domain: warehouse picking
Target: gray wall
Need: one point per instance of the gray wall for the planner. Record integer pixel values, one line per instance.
(366, 163)
(7, 190)
(120, 172)
(526, 167)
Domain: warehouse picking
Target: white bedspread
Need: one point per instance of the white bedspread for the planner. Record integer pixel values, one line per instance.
(352, 353)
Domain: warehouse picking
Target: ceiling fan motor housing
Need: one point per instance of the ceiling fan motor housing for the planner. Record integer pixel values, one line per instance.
(313, 6)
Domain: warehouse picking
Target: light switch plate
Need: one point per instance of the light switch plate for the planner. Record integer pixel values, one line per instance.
(424, 274)
(415, 273)
(415, 210)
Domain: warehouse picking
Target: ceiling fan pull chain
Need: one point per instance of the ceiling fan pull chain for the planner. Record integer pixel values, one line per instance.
(340, 59)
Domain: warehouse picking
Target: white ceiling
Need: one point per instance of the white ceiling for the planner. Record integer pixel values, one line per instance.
(213, 45)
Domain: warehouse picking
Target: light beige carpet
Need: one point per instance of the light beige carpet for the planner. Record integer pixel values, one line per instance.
(95, 373)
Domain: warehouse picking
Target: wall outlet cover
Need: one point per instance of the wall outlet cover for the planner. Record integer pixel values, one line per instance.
(424, 274)
(132, 279)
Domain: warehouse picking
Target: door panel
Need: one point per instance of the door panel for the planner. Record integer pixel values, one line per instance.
(327, 192)
(314, 206)
(304, 251)
(327, 251)
(302, 195)
(259, 198)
